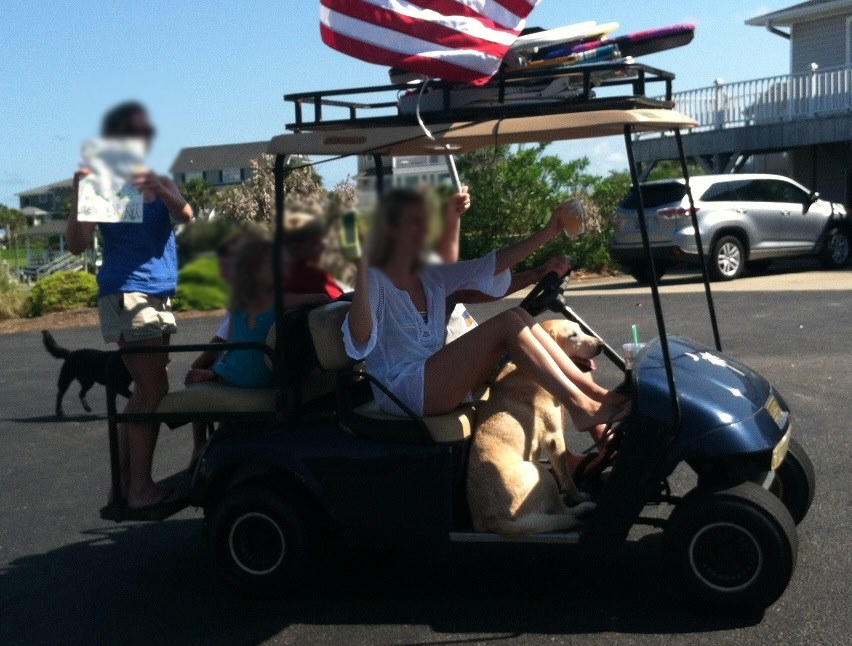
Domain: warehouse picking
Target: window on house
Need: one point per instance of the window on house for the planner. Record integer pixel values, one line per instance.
(193, 175)
(231, 176)
(213, 177)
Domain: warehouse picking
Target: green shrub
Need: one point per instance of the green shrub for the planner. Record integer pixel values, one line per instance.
(64, 290)
(200, 287)
(13, 296)
(204, 271)
(198, 297)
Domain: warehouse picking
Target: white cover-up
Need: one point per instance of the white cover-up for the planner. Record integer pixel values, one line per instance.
(401, 341)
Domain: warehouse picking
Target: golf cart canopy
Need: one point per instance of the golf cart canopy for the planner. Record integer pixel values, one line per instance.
(466, 136)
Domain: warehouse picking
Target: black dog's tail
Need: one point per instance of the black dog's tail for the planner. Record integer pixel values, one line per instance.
(53, 347)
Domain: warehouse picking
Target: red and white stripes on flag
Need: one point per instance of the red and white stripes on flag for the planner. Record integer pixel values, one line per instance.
(456, 40)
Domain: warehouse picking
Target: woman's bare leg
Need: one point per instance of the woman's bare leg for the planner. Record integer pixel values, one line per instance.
(466, 363)
(150, 384)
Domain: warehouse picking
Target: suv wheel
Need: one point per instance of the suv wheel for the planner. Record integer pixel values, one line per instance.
(642, 273)
(728, 259)
(835, 254)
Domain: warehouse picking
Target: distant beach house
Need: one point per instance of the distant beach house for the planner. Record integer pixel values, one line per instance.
(799, 124)
(221, 166)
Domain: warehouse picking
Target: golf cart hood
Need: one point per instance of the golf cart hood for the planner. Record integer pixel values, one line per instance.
(723, 403)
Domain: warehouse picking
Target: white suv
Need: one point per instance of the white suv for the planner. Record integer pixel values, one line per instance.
(744, 220)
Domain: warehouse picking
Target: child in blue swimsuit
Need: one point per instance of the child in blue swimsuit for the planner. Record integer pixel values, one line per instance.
(252, 317)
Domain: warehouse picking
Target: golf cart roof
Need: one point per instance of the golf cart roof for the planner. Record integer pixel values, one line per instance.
(466, 136)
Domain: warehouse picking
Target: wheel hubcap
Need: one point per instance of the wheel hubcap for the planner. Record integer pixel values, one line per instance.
(839, 247)
(725, 557)
(257, 543)
(729, 259)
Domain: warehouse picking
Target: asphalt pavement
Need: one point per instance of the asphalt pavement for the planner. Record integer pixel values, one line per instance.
(68, 577)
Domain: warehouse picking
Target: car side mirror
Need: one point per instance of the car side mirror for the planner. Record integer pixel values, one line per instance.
(814, 196)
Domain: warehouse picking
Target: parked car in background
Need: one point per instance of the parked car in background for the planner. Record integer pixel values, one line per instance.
(745, 221)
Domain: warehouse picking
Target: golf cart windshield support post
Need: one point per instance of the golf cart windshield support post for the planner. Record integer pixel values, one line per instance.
(702, 260)
(378, 163)
(454, 173)
(655, 288)
(281, 170)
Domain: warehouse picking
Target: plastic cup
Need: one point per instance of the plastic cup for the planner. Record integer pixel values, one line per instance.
(575, 225)
(630, 350)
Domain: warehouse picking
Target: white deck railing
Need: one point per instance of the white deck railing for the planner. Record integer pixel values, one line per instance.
(769, 100)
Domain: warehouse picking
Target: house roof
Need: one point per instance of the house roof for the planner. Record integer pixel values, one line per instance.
(802, 12)
(47, 188)
(33, 211)
(50, 228)
(201, 158)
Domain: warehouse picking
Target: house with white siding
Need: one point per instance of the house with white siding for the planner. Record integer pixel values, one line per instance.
(798, 124)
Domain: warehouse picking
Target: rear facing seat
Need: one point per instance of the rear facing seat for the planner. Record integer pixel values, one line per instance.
(325, 324)
(217, 398)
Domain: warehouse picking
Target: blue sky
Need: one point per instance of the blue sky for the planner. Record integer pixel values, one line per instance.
(215, 72)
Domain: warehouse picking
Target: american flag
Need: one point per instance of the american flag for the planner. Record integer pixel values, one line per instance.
(456, 40)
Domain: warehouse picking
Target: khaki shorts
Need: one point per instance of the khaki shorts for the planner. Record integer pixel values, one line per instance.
(134, 316)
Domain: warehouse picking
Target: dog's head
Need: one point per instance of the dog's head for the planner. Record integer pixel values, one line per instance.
(578, 345)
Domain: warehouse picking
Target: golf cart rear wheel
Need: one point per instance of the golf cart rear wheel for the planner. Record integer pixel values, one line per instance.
(835, 254)
(795, 482)
(727, 259)
(261, 541)
(734, 548)
(641, 272)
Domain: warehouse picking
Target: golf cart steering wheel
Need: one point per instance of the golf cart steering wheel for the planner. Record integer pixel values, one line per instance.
(544, 295)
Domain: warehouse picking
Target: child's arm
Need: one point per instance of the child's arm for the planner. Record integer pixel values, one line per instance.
(208, 357)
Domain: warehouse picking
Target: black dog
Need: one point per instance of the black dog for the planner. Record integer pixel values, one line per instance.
(88, 367)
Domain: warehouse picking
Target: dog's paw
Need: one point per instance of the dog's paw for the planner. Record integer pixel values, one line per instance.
(577, 499)
(583, 509)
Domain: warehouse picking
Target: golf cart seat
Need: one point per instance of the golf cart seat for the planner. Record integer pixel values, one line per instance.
(214, 398)
(368, 420)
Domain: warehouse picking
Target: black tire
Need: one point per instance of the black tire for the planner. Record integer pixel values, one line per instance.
(727, 260)
(835, 252)
(758, 266)
(262, 542)
(734, 548)
(795, 482)
(642, 273)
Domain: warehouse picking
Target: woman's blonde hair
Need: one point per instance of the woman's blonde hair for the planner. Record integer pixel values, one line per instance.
(252, 255)
(387, 215)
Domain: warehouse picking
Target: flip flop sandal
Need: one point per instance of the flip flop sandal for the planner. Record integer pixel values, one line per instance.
(156, 511)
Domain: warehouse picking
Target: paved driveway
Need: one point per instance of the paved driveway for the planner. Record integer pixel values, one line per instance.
(66, 576)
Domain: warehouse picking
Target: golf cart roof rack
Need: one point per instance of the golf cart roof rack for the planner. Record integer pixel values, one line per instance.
(375, 106)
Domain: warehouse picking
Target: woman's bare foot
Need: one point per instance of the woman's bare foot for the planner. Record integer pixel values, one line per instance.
(597, 418)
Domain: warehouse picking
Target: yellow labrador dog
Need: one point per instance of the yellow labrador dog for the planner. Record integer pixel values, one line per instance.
(508, 491)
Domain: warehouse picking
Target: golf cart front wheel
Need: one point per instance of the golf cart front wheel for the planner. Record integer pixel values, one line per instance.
(261, 541)
(734, 548)
(795, 482)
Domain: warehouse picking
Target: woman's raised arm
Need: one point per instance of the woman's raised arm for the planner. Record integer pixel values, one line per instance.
(562, 216)
(361, 313)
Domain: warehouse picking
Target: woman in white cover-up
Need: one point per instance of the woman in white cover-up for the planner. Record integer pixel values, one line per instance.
(397, 320)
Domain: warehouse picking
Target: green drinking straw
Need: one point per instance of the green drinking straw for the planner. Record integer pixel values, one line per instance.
(635, 334)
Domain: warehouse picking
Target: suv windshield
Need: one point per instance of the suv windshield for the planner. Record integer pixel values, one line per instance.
(654, 195)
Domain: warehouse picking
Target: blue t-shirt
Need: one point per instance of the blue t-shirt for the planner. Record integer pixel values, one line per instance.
(140, 257)
(247, 368)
